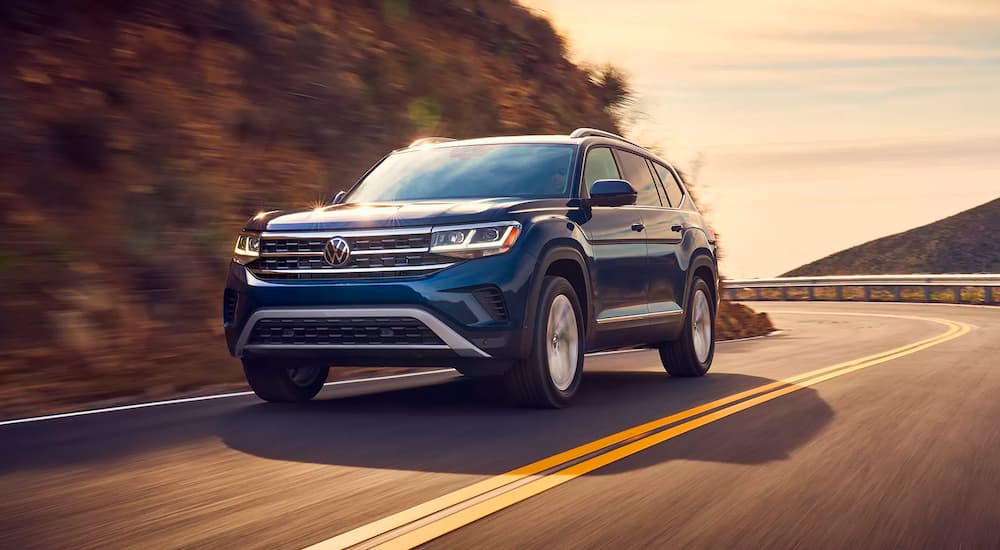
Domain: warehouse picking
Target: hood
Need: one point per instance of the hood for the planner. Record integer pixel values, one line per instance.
(388, 215)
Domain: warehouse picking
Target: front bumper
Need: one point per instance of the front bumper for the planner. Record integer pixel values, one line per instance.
(448, 337)
(443, 302)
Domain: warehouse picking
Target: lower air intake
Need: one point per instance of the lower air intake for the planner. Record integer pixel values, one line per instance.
(491, 298)
(364, 331)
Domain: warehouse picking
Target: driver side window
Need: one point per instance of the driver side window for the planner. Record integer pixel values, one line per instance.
(600, 165)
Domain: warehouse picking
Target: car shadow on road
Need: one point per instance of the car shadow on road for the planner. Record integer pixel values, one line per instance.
(466, 427)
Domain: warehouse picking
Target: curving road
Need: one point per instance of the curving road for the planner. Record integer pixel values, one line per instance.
(860, 425)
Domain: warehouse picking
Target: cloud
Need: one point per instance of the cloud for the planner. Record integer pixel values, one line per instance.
(695, 34)
(801, 109)
(818, 155)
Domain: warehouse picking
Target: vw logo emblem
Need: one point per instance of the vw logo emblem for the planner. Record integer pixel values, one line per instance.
(337, 251)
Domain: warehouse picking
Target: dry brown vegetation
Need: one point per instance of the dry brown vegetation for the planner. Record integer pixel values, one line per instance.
(136, 138)
(737, 320)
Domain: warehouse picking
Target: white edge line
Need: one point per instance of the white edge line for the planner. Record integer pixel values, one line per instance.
(203, 398)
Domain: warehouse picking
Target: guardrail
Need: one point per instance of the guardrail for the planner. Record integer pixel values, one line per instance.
(870, 285)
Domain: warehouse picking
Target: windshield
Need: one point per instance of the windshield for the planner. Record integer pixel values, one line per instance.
(470, 172)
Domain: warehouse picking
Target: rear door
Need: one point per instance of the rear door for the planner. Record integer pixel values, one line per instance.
(665, 228)
(661, 242)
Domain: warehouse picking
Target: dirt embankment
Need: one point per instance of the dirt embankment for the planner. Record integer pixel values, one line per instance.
(137, 137)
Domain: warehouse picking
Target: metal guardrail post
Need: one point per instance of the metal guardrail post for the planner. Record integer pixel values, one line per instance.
(927, 294)
(868, 293)
(897, 293)
(958, 293)
(840, 294)
(812, 293)
(988, 294)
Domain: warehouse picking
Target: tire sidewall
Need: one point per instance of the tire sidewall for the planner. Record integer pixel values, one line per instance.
(314, 386)
(553, 287)
(700, 284)
(271, 381)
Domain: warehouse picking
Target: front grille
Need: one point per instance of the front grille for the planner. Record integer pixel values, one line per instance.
(359, 243)
(373, 256)
(390, 242)
(356, 261)
(363, 331)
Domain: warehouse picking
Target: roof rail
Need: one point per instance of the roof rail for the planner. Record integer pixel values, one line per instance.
(429, 141)
(584, 132)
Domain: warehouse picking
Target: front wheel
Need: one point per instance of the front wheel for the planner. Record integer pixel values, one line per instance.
(284, 382)
(551, 374)
(692, 353)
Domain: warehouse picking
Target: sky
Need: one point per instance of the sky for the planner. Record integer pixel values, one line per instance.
(812, 126)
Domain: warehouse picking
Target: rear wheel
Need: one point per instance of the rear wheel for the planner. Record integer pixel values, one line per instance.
(551, 374)
(281, 382)
(692, 353)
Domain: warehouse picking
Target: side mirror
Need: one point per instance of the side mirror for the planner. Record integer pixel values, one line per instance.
(612, 193)
(339, 197)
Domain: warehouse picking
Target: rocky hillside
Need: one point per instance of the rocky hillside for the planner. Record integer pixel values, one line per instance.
(136, 138)
(963, 243)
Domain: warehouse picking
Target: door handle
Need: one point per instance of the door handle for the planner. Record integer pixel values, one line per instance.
(638, 227)
(677, 228)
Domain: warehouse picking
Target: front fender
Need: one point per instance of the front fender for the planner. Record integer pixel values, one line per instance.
(555, 238)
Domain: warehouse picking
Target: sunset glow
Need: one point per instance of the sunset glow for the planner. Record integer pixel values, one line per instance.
(846, 121)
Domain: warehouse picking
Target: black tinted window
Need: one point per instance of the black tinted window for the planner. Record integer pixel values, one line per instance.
(637, 173)
(470, 171)
(674, 192)
(600, 165)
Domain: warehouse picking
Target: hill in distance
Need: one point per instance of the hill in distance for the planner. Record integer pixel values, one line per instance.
(963, 243)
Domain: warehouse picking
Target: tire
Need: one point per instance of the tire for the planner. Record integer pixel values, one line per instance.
(470, 372)
(545, 379)
(482, 370)
(280, 382)
(692, 354)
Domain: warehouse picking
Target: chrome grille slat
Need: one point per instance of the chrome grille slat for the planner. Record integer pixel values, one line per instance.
(336, 270)
(375, 251)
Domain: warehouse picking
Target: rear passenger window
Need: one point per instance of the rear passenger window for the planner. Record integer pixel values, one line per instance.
(600, 165)
(637, 173)
(674, 192)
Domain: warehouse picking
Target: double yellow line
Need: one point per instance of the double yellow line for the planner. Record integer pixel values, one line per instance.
(434, 518)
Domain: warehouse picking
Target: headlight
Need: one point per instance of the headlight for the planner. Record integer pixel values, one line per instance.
(247, 247)
(475, 241)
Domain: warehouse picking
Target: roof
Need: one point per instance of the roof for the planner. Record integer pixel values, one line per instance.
(575, 138)
(492, 141)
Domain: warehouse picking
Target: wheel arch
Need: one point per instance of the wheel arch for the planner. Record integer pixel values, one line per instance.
(564, 258)
(704, 265)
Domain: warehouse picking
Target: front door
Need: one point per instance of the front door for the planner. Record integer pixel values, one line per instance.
(619, 247)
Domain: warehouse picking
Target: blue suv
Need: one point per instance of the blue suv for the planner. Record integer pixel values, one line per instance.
(509, 256)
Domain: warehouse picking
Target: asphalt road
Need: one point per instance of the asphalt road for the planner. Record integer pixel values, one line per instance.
(899, 450)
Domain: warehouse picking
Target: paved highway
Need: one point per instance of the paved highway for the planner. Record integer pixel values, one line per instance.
(860, 425)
